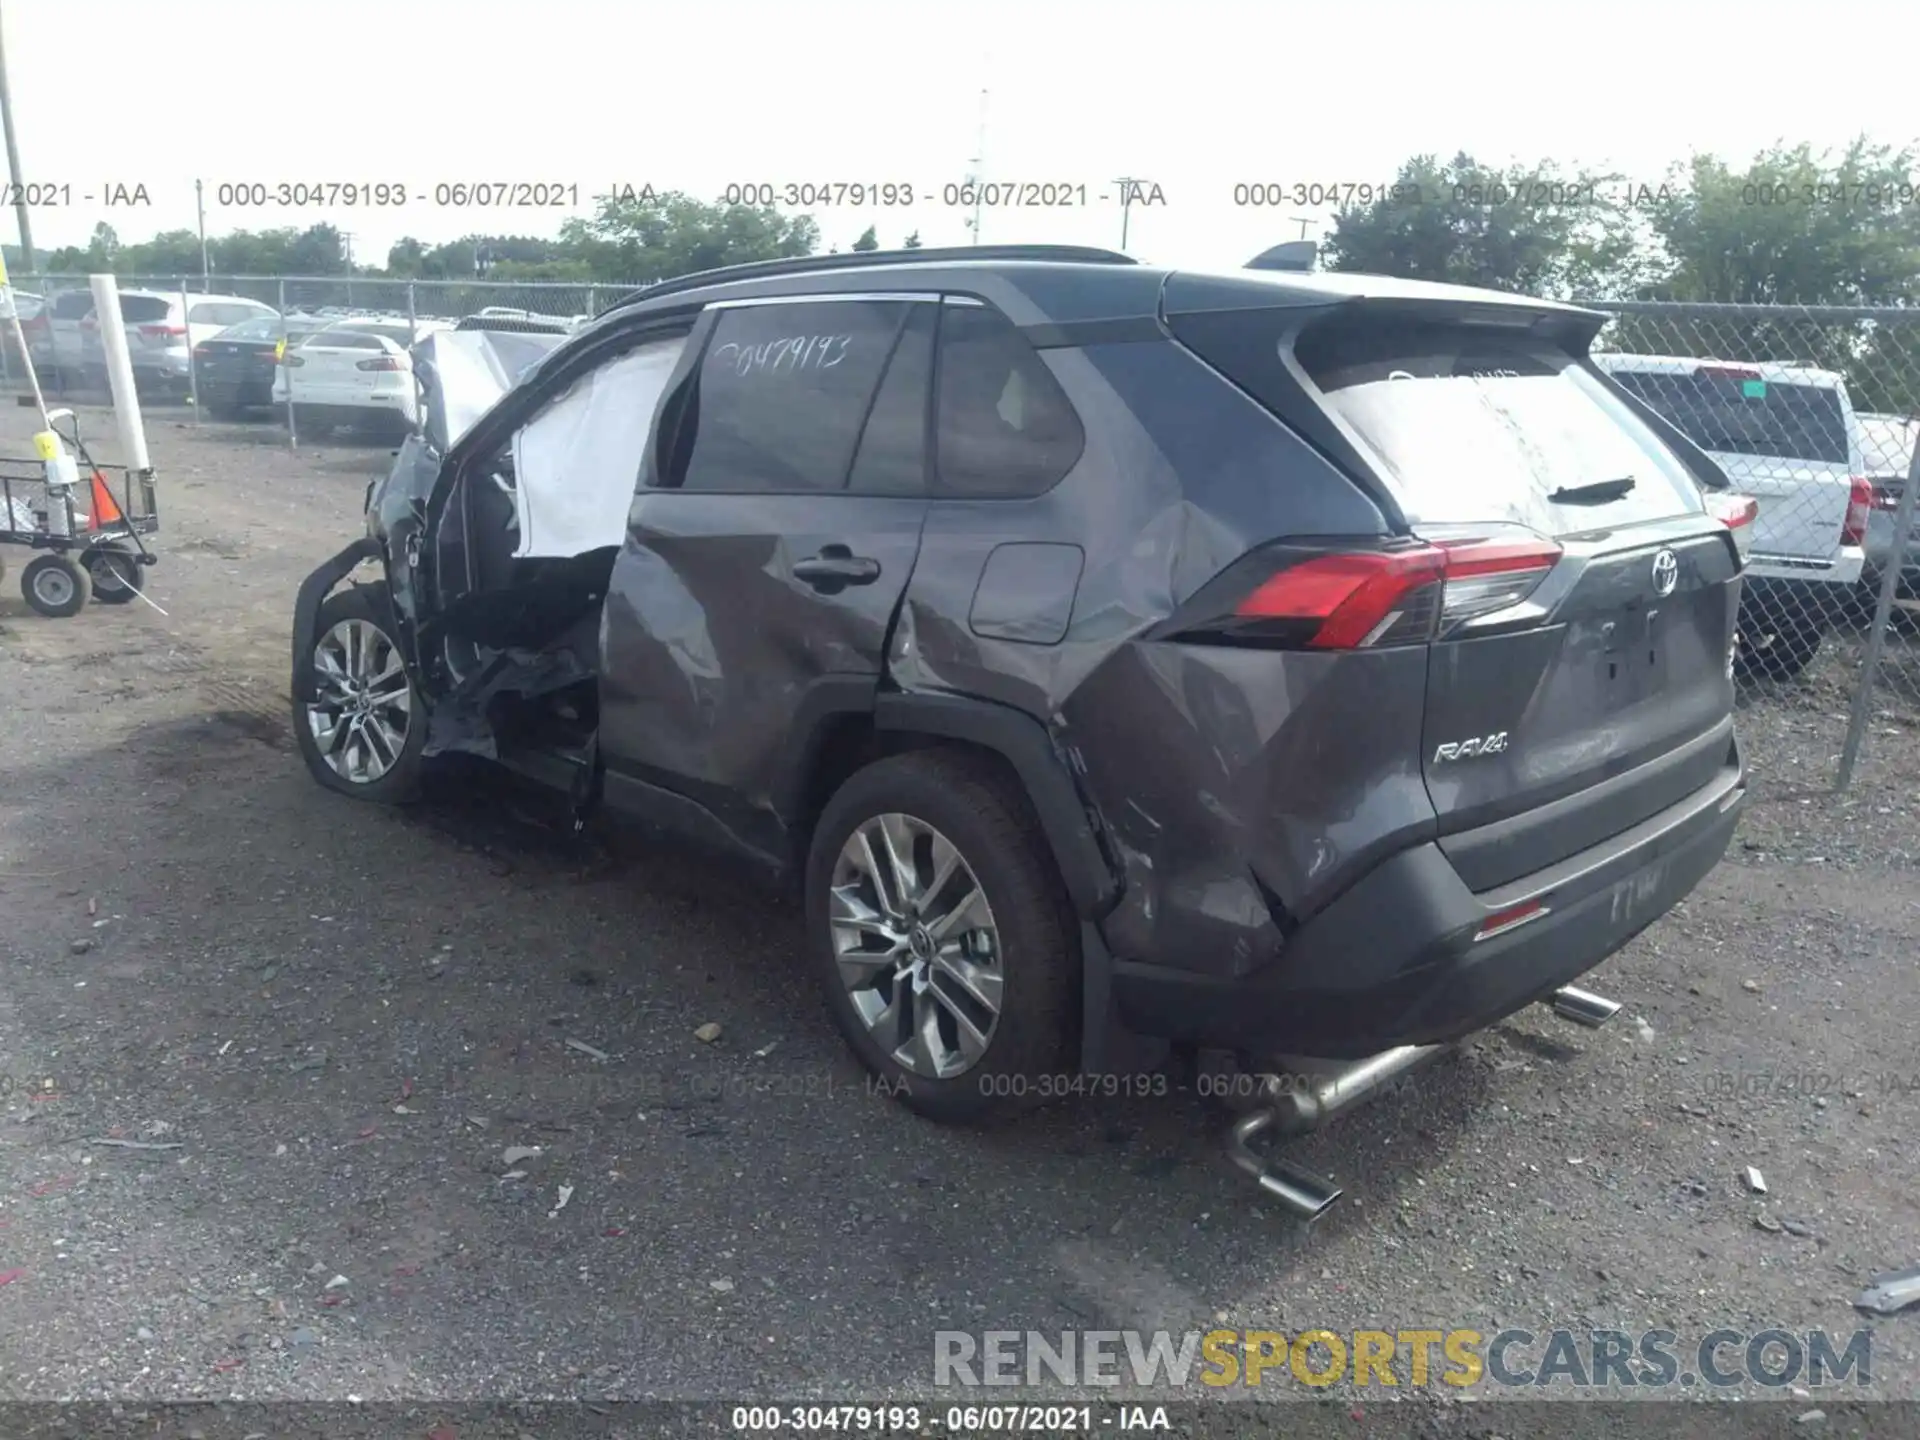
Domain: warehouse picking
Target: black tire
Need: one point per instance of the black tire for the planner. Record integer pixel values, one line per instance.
(54, 586)
(115, 574)
(399, 783)
(1778, 650)
(970, 802)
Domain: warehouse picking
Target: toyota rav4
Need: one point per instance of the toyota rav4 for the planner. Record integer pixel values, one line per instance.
(1113, 656)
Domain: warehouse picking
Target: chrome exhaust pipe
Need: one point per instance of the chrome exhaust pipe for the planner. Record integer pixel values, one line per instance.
(1298, 1103)
(1306, 1102)
(1302, 1194)
(1583, 1007)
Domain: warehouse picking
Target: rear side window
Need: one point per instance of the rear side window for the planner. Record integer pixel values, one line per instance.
(1736, 412)
(1003, 426)
(782, 396)
(144, 309)
(1478, 426)
(73, 305)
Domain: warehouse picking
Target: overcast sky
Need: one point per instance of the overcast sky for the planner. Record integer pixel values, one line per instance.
(1191, 95)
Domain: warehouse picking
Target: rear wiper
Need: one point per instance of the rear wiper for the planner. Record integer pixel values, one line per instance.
(1599, 492)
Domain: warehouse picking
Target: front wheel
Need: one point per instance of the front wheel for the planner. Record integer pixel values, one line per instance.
(362, 728)
(944, 938)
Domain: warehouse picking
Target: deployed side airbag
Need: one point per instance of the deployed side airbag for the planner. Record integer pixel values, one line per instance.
(576, 464)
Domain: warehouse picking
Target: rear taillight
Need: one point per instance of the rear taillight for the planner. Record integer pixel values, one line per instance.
(1887, 497)
(1737, 513)
(1367, 599)
(202, 352)
(1859, 510)
(162, 332)
(385, 362)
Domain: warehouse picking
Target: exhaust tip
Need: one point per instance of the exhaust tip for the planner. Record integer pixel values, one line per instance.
(1302, 1195)
(1583, 1007)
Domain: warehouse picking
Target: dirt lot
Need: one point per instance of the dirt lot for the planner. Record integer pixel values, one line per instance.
(342, 1018)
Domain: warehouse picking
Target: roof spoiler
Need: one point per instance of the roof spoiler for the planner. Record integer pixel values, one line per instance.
(1294, 255)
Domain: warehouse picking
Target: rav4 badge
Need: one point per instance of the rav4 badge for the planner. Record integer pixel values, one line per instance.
(1467, 749)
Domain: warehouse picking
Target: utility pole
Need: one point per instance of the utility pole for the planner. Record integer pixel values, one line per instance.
(1126, 184)
(977, 167)
(13, 162)
(200, 205)
(1303, 221)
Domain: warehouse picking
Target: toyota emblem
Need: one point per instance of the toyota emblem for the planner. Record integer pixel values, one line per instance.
(1666, 573)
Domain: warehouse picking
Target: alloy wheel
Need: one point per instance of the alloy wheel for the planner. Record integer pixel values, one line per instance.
(916, 945)
(362, 706)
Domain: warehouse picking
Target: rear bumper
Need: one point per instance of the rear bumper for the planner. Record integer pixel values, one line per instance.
(1842, 567)
(1394, 960)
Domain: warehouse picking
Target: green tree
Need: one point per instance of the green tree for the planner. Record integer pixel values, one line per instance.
(868, 240)
(1529, 228)
(1794, 227)
(657, 237)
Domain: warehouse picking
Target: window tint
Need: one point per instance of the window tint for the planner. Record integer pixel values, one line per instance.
(1736, 413)
(892, 459)
(144, 309)
(1476, 426)
(1004, 427)
(781, 396)
(73, 304)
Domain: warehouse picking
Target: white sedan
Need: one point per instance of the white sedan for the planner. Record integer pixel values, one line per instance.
(355, 373)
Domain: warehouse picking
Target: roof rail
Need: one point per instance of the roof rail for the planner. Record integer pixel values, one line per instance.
(863, 259)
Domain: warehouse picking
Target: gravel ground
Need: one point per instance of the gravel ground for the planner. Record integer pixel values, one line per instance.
(341, 1019)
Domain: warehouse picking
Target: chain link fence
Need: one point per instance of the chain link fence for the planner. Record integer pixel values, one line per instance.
(1811, 410)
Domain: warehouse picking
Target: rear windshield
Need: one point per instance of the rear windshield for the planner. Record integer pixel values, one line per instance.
(1476, 426)
(144, 309)
(1735, 414)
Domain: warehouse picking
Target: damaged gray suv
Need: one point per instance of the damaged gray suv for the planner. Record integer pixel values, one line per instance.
(1115, 657)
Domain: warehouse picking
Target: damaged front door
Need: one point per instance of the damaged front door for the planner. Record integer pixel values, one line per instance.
(765, 562)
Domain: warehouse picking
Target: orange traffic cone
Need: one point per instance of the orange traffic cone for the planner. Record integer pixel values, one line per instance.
(103, 511)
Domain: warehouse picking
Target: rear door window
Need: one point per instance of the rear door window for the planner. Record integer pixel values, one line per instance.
(1735, 412)
(781, 397)
(1474, 426)
(73, 305)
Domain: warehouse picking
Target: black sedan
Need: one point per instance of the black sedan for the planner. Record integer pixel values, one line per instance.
(234, 370)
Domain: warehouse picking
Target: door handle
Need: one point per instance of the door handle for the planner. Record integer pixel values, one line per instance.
(836, 566)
